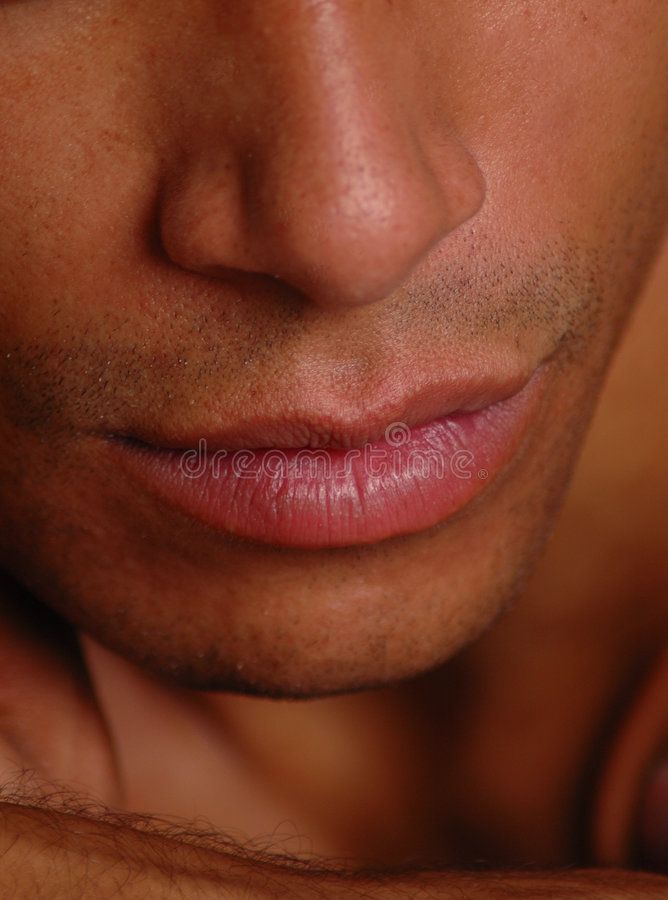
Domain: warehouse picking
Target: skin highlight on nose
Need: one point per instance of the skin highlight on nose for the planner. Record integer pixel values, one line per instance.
(330, 190)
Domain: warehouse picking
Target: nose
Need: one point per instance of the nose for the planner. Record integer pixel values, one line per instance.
(309, 165)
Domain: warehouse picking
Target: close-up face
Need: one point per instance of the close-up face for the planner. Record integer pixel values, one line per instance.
(237, 230)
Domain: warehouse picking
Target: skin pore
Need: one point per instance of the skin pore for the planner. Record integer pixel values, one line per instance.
(304, 207)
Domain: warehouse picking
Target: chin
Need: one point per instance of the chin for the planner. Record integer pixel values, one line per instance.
(306, 624)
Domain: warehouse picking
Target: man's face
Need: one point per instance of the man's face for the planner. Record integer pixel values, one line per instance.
(319, 215)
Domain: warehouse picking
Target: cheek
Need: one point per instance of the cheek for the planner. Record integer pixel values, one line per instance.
(80, 173)
(565, 111)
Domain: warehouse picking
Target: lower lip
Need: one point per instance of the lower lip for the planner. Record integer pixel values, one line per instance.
(407, 482)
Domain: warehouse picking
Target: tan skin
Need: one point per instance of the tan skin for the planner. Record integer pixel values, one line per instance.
(210, 205)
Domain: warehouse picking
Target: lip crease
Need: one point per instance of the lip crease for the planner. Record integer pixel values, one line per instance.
(309, 480)
(314, 425)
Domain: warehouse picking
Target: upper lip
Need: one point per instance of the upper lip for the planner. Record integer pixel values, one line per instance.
(321, 420)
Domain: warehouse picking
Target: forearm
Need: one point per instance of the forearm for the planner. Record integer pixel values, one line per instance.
(52, 854)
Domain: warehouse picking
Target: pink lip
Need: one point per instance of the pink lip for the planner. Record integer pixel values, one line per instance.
(305, 495)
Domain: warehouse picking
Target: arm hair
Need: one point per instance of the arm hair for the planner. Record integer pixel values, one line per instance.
(56, 844)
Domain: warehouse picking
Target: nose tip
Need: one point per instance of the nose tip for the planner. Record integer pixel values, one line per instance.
(352, 232)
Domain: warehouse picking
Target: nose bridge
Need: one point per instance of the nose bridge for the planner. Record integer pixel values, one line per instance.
(323, 56)
(334, 194)
(328, 79)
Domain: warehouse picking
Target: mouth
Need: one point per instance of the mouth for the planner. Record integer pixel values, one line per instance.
(317, 481)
